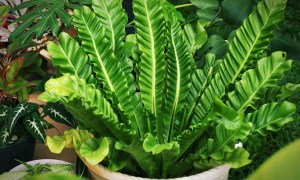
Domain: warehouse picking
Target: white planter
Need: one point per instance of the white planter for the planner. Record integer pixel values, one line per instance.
(99, 172)
(39, 161)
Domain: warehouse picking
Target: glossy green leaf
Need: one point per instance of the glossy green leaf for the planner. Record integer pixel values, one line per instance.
(238, 158)
(216, 45)
(35, 127)
(202, 4)
(271, 117)
(151, 42)
(67, 61)
(95, 150)
(56, 143)
(86, 104)
(253, 82)
(251, 40)
(178, 79)
(96, 45)
(288, 90)
(195, 38)
(235, 12)
(59, 113)
(19, 111)
(150, 144)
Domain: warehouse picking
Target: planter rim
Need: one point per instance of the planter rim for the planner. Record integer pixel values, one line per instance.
(106, 173)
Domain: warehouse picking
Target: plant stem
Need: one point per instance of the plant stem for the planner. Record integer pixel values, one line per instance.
(130, 23)
(183, 5)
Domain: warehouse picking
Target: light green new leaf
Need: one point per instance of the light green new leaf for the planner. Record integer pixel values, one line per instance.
(271, 117)
(150, 144)
(178, 78)
(254, 81)
(94, 150)
(251, 40)
(150, 29)
(69, 57)
(86, 103)
(288, 90)
(105, 64)
(195, 38)
(238, 158)
(56, 143)
(225, 139)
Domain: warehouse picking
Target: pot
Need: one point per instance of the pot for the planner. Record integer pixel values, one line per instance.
(99, 172)
(22, 150)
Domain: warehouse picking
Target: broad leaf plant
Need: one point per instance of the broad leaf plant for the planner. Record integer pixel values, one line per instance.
(145, 107)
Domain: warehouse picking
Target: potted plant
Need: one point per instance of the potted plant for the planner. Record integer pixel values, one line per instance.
(144, 107)
(21, 122)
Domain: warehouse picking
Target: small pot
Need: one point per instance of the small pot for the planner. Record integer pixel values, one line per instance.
(22, 150)
(21, 167)
(99, 172)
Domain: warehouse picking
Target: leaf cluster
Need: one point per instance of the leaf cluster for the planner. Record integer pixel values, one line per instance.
(152, 111)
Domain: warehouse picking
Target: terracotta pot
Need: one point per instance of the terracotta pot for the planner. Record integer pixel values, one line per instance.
(99, 172)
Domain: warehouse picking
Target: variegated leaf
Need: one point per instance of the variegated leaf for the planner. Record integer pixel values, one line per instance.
(34, 126)
(19, 111)
(59, 113)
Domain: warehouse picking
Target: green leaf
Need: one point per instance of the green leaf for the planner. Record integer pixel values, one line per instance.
(215, 45)
(225, 139)
(3, 14)
(86, 104)
(19, 111)
(67, 61)
(234, 12)
(237, 158)
(178, 79)
(56, 143)
(271, 117)
(95, 150)
(114, 19)
(288, 90)
(195, 38)
(254, 81)
(150, 144)
(12, 70)
(4, 111)
(5, 135)
(251, 40)
(202, 4)
(105, 64)
(58, 113)
(34, 126)
(151, 41)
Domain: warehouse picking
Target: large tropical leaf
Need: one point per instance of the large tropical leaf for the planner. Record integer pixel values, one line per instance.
(254, 81)
(105, 64)
(251, 40)
(58, 113)
(200, 80)
(114, 19)
(178, 78)
(271, 117)
(86, 103)
(45, 14)
(150, 29)
(69, 57)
